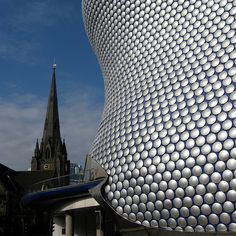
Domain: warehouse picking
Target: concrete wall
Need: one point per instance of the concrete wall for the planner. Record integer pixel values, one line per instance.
(59, 225)
(84, 223)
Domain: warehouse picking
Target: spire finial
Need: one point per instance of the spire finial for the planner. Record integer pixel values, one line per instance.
(54, 66)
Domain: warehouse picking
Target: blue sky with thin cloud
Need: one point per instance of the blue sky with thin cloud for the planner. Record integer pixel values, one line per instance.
(32, 34)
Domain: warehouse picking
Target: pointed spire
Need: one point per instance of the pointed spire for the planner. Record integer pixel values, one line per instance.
(51, 131)
(36, 150)
(64, 150)
(59, 146)
(51, 151)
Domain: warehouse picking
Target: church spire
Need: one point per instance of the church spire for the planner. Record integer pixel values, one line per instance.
(51, 133)
(36, 150)
(51, 155)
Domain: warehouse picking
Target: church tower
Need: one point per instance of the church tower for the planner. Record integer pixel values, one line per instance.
(51, 154)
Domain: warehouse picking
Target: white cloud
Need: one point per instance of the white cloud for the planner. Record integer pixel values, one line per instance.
(80, 116)
(22, 119)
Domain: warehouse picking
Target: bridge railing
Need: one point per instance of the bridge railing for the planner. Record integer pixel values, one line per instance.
(59, 181)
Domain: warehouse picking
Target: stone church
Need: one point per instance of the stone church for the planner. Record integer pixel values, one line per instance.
(51, 153)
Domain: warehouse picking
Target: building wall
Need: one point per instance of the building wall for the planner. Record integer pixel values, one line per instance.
(85, 223)
(58, 225)
(3, 200)
(167, 136)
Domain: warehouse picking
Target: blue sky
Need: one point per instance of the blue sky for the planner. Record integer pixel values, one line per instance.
(32, 33)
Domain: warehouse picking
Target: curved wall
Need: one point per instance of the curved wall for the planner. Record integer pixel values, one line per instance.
(167, 137)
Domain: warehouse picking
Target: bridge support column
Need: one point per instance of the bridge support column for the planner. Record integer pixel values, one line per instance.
(99, 230)
(69, 224)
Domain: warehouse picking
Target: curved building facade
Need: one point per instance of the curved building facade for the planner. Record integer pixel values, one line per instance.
(168, 132)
